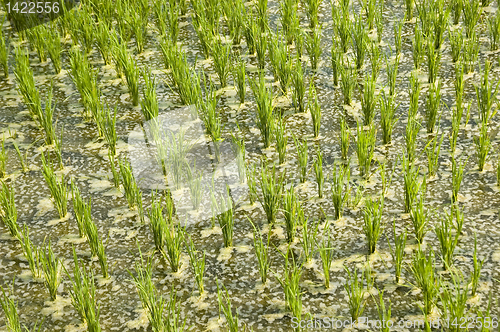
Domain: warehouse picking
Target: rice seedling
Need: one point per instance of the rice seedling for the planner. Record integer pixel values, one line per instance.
(225, 218)
(3, 159)
(411, 184)
(309, 234)
(109, 129)
(340, 189)
(239, 75)
(447, 240)
(387, 119)
(369, 101)
(234, 12)
(398, 28)
(358, 195)
(232, 320)
(325, 248)
(103, 40)
(433, 62)
(23, 160)
(482, 144)
(384, 312)
(260, 46)
(174, 239)
(129, 183)
(252, 185)
(281, 139)
(342, 24)
(290, 282)
(58, 189)
(211, 118)
(51, 267)
(374, 60)
(472, 13)
(197, 264)
(290, 213)
(4, 54)
(345, 137)
(410, 5)
(359, 41)
(432, 150)
(26, 84)
(31, 252)
(336, 63)
(454, 301)
(79, 208)
(302, 156)
(373, 222)
(419, 215)
(314, 109)
(195, 186)
(477, 266)
(422, 267)
(95, 242)
(417, 47)
(318, 171)
(173, 20)
(158, 223)
(412, 129)
(289, 19)
(221, 54)
(398, 254)
(313, 46)
(348, 83)
(149, 103)
(240, 151)
(299, 88)
(433, 106)
(9, 307)
(54, 48)
(355, 293)
(129, 67)
(8, 208)
(114, 171)
(262, 252)
(379, 22)
(250, 30)
(265, 109)
(494, 31)
(365, 147)
(485, 95)
(456, 42)
(272, 188)
(457, 175)
(470, 52)
(456, 8)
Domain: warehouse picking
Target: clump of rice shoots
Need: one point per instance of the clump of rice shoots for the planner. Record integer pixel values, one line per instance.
(51, 267)
(211, 117)
(360, 41)
(290, 282)
(422, 268)
(340, 188)
(30, 252)
(457, 174)
(262, 252)
(485, 95)
(232, 320)
(281, 139)
(419, 214)
(482, 143)
(95, 242)
(109, 128)
(398, 253)
(313, 47)
(302, 157)
(149, 103)
(355, 293)
(365, 147)
(225, 217)
(325, 248)
(447, 240)
(26, 85)
(272, 187)
(58, 189)
(373, 222)
(309, 234)
(79, 208)
(195, 185)
(174, 239)
(369, 101)
(387, 116)
(265, 109)
(240, 151)
(239, 74)
(417, 47)
(54, 48)
(347, 83)
(314, 109)
(299, 89)
(318, 171)
(8, 208)
(221, 54)
(342, 23)
(432, 150)
(197, 264)
(433, 106)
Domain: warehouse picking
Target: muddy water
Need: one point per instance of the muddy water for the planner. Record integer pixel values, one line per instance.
(261, 307)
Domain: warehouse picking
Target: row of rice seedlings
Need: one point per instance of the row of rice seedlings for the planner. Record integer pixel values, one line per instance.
(9, 307)
(83, 295)
(314, 109)
(422, 268)
(299, 88)
(342, 24)
(457, 174)
(419, 214)
(477, 266)
(355, 293)
(360, 41)
(309, 233)
(318, 172)
(281, 139)
(26, 84)
(373, 222)
(325, 248)
(31, 253)
(239, 75)
(234, 12)
(271, 185)
(23, 160)
(432, 150)
(4, 54)
(340, 189)
(221, 54)
(398, 253)
(447, 240)
(149, 103)
(365, 148)
(290, 213)
(347, 83)
(8, 208)
(225, 217)
(195, 185)
(265, 109)
(262, 252)
(58, 189)
(197, 264)
(232, 320)
(313, 46)
(290, 282)
(52, 268)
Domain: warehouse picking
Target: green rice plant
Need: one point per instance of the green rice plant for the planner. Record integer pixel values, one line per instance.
(485, 95)
(240, 151)
(250, 30)
(417, 47)
(4, 54)
(384, 312)
(58, 149)
(472, 13)
(234, 12)
(103, 40)
(149, 103)
(290, 282)
(79, 207)
(477, 266)
(387, 118)
(419, 215)
(282, 62)
(160, 11)
(374, 60)
(265, 109)
(95, 242)
(432, 150)
(261, 47)
(281, 139)
(355, 293)
(411, 185)
(299, 88)
(433, 61)
(109, 128)
(174, 239)
(195, 186)
(433, 106)
(457, 174)
(289, 19)
(225, 218)
(158, 224)
(318, 171)
(470, 52)
(8, 208)
(342, 24)
(392, 73)
(312, 10)
(359, 41)
(314, 109)
(129, 67)
(336, 63)
(368, 276)
(54, 48)
(221, 54)
(410, 5)
(345, 137)
(459, 92)
(325, 248)
(347, 83)
(411, 133)
(302, 157)
(494, 31)
(129, 183)
(373, 222)
(9, 307)
(31, 252)
(358, 195)
(456, 42)
(114, 171)
(422, 267)
(197, 264)
(211, 118)
(398, 28)
(457, 7)
(137, 25)
(152, 300)
(365, 147)
(26, 84)
(173, 20)
(232, 320)
(51, 267)
(340, 189)
(58, 189)
(447, 240)
(398, 254)
(271, 185)
(239, 75)
(369, 100)
(3, 159)
(369, 7)
(22, 160)
(262, 252)
(290, 213)
(37, 39)
(482, 144)
(313, 46)
(379, 22)
(454, 301)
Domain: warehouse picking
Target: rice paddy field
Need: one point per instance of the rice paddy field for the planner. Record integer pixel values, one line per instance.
(204, 165)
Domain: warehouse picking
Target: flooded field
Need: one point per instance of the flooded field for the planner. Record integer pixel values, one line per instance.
(286, 165)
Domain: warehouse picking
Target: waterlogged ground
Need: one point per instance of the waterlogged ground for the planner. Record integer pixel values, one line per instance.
(260, 307)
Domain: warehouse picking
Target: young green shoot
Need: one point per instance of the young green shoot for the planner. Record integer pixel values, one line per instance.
(373, 222)
(398, 253)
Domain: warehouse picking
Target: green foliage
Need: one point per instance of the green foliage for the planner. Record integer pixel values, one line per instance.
(8, 208)
(365, 147)
(313, 46)
(398, 254)
(433, 106)
(31, 253)
(272, 188)
(340, 188)
(51, 267)
(197, 264)
(149, 103)
(225, 217)
(225, 307)
(373, 222)
(58, 189)
(325, 248)
(355, 293)
(299, 88)
(422, 267)
(265, 117)
(262, 252)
